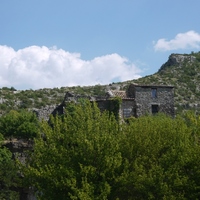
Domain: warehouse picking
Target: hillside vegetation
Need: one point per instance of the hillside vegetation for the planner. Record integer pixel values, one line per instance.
(87, 154)
(181, 70)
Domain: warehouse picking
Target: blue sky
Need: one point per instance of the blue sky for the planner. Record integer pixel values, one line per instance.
(48, 43)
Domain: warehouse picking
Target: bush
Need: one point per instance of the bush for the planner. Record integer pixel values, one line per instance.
(22, 124)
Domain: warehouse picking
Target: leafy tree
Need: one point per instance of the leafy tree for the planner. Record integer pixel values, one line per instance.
(86, 154)
(19, 124)
(160, 160)
(78, 155)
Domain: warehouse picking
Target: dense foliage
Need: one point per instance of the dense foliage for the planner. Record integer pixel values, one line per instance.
(86, 154)
(89, 155)
(78, 156)
(19, 124)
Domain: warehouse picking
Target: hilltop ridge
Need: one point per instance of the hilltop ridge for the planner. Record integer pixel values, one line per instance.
(177, 60)
(180, 70)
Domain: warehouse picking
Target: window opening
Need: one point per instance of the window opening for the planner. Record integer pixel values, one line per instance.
(154, 92)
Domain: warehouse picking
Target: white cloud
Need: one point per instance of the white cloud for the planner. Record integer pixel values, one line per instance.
(40, 67)
(188, 40)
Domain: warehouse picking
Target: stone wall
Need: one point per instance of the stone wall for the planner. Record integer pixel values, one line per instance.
(137, 102)
(127, 108)
(164, 99)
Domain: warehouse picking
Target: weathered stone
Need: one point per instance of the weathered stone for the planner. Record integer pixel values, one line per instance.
(177, 59)
(136, 101)
(45, 112)
(20, 149)
(146, 102)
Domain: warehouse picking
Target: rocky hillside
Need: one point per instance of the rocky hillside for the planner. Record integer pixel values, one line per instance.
(181, 70)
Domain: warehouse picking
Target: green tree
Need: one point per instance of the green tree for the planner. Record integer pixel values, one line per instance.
(78, 156)
(160, 160)
(86, 154)
(22, 124)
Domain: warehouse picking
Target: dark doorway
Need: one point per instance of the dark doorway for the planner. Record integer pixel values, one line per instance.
(154, 109)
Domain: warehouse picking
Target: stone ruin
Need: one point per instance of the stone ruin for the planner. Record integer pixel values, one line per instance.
(137, 100)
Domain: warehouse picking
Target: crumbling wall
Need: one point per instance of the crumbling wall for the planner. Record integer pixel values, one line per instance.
(127, 108)
(20, 149)
(138, 102)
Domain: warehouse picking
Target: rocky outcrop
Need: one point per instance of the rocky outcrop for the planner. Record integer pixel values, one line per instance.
(176, 60)
(179, 58)
(19, 148)
(44, 112)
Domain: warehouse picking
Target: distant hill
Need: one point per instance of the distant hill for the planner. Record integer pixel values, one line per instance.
(181, 70)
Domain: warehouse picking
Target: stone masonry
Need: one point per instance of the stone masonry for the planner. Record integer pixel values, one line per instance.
(153, 99)
(138, 100)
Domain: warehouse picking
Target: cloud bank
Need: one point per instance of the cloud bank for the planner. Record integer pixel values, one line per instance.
(42, 67)
(188, 40)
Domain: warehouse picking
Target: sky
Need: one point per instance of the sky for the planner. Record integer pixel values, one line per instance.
(60, 43)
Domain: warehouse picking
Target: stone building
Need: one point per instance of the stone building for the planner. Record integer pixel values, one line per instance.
(138, 100)
(151, 99)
